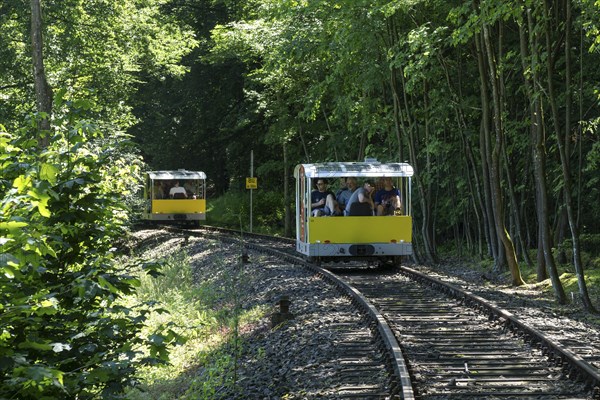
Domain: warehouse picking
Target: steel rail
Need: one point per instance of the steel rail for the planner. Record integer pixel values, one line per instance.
(554, 350)
(395, 357)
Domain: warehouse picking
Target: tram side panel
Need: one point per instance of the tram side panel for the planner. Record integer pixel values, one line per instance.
(178, 209)
(302, 210)
(357, 236)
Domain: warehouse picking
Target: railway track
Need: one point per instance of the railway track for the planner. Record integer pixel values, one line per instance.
(454, 351)
(444, 343)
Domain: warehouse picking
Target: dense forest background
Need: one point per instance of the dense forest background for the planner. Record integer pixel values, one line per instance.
(494, 103)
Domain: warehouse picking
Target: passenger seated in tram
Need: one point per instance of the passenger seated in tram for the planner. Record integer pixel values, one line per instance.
(322, 200)
(158, 192)
(387, 199)
(177, 192)
(190, 189)
(361, 203)
(343, 195)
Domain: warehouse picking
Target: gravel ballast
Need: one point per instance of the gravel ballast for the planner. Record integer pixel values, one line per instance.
(301, 358)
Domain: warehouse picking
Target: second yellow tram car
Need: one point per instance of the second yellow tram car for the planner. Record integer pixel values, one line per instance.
(165, 204)
(342, 238)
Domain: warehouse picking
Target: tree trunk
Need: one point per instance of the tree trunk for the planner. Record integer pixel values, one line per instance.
(539, 159)
(471, 172)
(43, 92)
(396, 112)
(539, 162)
(515, 213)
(484, 146)
(583, 292)
(406, 127)
(424, 191)
(286, 194)
(495, 172)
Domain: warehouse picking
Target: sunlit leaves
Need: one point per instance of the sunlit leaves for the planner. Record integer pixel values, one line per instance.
(12, 225)
(62, 210)
(48, 173)
(94, 49)
(21, 183)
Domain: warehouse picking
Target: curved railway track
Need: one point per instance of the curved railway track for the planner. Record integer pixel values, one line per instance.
(453, 344)
(455, 351)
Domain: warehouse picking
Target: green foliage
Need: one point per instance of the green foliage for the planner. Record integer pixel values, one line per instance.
(64, 332)
(394, 80)
(233, 210)
(92, 47)
(202, 293)
(589, 246)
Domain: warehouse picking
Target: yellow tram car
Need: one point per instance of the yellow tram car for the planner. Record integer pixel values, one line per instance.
(175, 196)
(383, 239)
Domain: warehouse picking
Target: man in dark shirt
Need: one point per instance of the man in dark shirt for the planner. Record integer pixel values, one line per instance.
(345, 193)
(322, 200)
(387, 199)
(361, 195)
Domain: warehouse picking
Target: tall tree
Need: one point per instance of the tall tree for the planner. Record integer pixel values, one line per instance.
(550, 28)
(43, 92)
(96, 48)
(531, 62)
(495, 169)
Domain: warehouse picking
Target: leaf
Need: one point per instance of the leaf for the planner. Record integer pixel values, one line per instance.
(47, 307)
(59, 97)
(8, 271)
(48, 172)
(106, 284)
(28, 344)
(58, 347)
(11, 225)
(21, 183)
(43, 209)
(132, 281)
(8, 259)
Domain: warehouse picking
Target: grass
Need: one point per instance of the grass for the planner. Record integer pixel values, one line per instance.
(209, 316)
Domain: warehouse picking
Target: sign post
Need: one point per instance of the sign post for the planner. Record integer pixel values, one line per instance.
(251, 183)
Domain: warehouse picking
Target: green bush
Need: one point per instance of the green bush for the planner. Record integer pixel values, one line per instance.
(233, 210)
(64, 333)
(588, 242)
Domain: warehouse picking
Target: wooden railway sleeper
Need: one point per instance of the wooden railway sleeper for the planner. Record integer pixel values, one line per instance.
(518, 332)
(544, 349)
(596, 393)
(530, 340)
(395, 390)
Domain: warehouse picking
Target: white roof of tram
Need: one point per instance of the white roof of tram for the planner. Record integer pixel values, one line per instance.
(178, 174)
(371, 169)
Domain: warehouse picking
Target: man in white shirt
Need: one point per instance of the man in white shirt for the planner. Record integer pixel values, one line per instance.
(177, 189)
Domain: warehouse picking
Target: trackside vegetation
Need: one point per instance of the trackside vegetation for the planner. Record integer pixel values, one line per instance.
(203, 294)
(64, 331)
